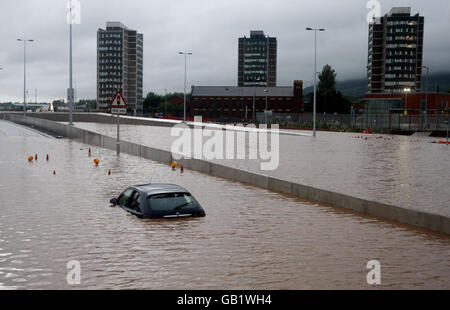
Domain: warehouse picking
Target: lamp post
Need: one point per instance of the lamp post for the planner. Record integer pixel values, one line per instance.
(406, 90)
(1, 68)
(315, 76)
(185, 59)
(165, 106)
(265, 111)
(71, 92)
(254, 98)
(426, 98)
(267, 61)
(448, 121)
(24, 73)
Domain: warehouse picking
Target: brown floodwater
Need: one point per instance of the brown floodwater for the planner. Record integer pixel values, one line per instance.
(405, 171)
(250, 239)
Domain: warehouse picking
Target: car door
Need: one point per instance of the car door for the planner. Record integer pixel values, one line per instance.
(124, 198)
(133, 204)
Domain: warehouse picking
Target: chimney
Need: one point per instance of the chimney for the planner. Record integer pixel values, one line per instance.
(298, 88)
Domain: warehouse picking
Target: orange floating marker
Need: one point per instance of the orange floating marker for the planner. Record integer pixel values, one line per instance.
(174, 164)
(30, 158)
(182, 168)
(109, 172)
(35, 156)
(89, 153)
(54, 172)
(47, 157)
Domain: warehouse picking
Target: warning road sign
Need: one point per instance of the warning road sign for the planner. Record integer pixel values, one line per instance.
(118, 101)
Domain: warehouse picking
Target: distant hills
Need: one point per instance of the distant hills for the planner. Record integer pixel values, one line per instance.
(357, 88)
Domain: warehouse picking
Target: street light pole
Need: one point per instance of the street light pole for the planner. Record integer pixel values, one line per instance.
(315, 76)
(266, 91)
(267, 61)
(265, 111)
(24, 73)
(165, 114)
(406, 90)
(71, 92)
(185, 59)
(426, 97)
(254, 98)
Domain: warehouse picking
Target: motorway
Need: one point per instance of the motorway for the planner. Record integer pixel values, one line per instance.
(250, 239)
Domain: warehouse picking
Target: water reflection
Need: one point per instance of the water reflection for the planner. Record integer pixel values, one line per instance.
(250, 238)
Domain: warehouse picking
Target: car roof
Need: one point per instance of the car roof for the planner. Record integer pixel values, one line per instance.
(152, 189)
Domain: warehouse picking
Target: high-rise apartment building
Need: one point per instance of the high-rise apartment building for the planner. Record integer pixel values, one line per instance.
(395, 52)
(120, 66)
(257, 64)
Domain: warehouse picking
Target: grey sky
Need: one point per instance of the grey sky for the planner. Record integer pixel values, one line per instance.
(208, 28)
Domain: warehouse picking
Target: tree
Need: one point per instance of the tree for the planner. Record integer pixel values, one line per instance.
(151, 102)
(327, 79)
(156, 103)
(91, 104)
(328, 99)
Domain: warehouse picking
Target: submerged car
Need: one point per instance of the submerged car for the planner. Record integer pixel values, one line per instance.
(159, 201)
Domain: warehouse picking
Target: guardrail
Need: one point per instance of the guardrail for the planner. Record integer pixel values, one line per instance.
(434, 122)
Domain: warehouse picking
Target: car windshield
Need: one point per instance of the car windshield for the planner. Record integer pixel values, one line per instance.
(170, 201)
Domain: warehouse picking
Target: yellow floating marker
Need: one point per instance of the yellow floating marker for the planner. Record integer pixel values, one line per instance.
(174, 164)
(30, 158)
(96, 161)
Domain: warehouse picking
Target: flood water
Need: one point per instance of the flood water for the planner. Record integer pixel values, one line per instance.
(250, 238)
(405, 171)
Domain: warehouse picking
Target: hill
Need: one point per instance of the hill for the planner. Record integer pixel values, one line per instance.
(357, 88)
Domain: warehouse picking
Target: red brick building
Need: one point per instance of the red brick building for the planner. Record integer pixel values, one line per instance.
(236, 103)
(413, 103)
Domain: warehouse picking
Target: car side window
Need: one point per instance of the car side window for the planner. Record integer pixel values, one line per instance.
(134, 202)
(125, 197)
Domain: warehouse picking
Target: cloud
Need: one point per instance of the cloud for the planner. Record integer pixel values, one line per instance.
(208, 28)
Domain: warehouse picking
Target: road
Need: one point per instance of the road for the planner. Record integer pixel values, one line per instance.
(250, 239)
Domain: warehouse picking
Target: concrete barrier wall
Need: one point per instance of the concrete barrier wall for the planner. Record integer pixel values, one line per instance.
(429, 221)
(97, 118)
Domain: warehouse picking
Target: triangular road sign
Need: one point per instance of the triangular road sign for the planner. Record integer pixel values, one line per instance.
(118, 101)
